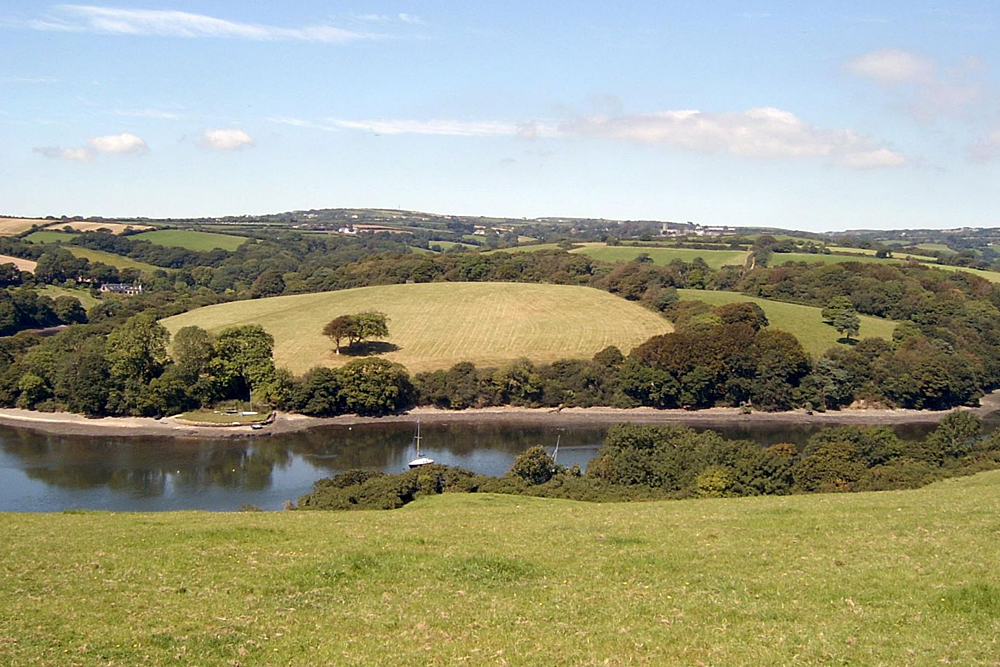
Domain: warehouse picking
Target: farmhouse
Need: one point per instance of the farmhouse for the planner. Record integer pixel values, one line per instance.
(122, 288)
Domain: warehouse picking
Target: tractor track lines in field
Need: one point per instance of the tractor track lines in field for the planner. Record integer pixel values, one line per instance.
(436, 325)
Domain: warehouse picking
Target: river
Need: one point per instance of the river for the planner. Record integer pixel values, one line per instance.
(44, 473)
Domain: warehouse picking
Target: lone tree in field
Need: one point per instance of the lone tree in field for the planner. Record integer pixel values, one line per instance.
(847, 323)
(357, 328)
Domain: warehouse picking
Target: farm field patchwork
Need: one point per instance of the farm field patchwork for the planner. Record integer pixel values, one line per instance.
(111, 259)
(714, 258)
(896, 254)
(889, 578)
(192, 239)
(14, 226)
(47, 236)
(804, 322)
(82, 226)
(436, 325)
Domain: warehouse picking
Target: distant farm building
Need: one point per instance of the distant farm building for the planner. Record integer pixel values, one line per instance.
(121, 288)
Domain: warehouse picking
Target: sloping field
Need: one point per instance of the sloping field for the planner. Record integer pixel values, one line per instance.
(112, 259)
(436, 325)
(868, 251)
(47, 236)
(891, 578)
(22, 264)
(81, 295)
(81, 226)
(12, 226)
(777, 259)
(804, 322)
(192, 239)
(714, 258)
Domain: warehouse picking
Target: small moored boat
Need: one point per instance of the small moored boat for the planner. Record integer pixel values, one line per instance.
(420, 460)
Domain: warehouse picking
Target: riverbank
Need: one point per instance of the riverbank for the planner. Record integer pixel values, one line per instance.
(64, 423)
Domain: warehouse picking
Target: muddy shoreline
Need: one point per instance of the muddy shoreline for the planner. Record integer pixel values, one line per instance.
(61, 423)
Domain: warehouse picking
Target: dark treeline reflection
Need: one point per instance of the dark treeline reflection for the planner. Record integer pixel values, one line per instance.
(48, 472)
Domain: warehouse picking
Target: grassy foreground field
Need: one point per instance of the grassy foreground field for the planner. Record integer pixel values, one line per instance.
(192, 239)
(436, 325)
(892, 578)
(805, 322)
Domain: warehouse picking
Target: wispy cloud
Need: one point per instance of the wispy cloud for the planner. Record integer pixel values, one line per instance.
(924, 87)
(170, 23)
(150, 113)
(759, 133)
(444, 128)
(72, 154)
(225, 139)
(411, 19)
(985, 148)
(28, 79)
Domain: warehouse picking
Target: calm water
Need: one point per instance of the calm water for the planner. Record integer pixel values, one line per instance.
(44, 473)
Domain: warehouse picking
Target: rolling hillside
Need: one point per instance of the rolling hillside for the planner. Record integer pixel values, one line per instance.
(805, 322)
(436, 325)
(192, 239)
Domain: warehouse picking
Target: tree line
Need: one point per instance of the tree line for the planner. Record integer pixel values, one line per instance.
(639, 462)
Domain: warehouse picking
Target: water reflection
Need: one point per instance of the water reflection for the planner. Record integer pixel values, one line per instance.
(41, 472)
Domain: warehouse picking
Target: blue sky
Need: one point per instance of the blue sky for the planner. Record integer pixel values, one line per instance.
(818, 116)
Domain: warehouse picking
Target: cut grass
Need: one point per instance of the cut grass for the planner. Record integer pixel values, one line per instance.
(891, 578)
(14, 226)
(192, 239)
(714, 258)
(804, 322)
(82, 295)
(46, 236)
(20, 263)
(436, 325)
(82, 226)
(112, 259)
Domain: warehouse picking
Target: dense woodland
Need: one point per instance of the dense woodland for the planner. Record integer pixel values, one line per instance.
(113, 358)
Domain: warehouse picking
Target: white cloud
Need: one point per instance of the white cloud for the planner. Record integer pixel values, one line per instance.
(170, 23)
(58, 153)
(925, 88)
(149, 113)
(892, 66)
(762, 132)
(125, 143)
(412, 19)
(225, 140)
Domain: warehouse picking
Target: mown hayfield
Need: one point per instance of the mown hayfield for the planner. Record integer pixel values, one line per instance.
(868, 251)
(891, 578)
(14, 226)
(804, 322)
(20, 263)
(84, 226)
(111, 259)
(436, 325)
(714, 258)
(46, 236)
(192, 239)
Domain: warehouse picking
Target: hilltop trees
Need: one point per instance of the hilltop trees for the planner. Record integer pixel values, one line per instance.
(357, 328)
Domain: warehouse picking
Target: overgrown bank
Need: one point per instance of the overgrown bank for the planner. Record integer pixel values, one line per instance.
(645, 462)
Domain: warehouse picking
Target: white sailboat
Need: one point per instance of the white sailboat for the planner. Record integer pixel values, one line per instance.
(420, 460)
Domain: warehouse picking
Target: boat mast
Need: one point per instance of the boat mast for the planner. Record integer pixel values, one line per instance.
(416, 439)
